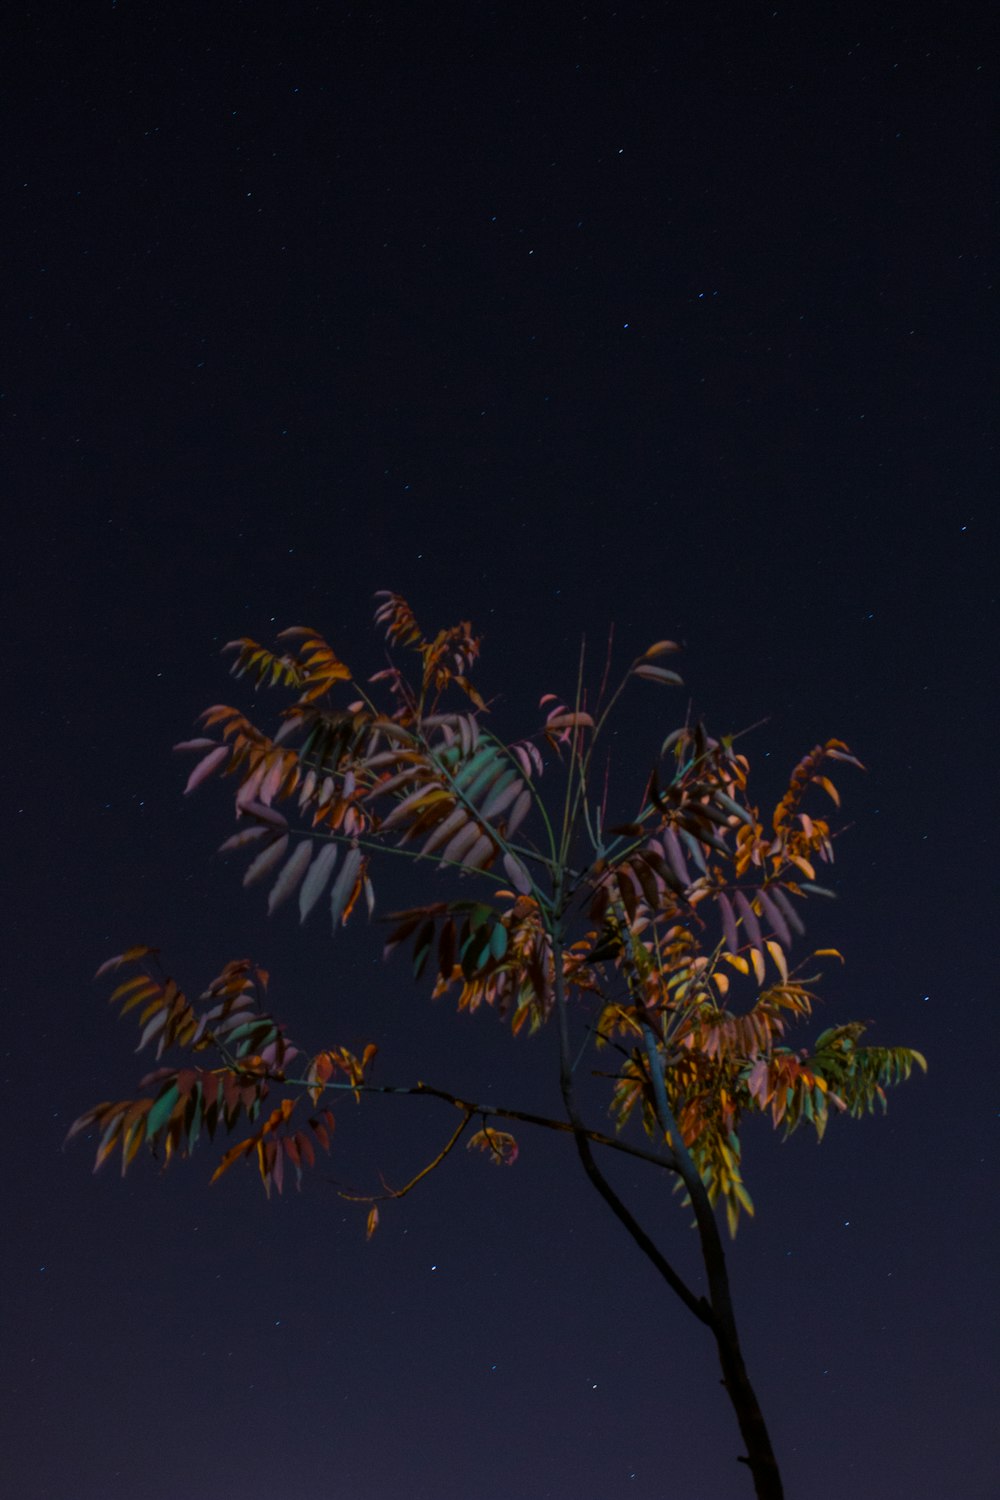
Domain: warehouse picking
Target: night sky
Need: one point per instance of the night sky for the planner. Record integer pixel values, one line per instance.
(676, 317)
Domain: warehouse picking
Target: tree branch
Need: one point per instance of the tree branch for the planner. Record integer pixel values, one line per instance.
(697, 1305)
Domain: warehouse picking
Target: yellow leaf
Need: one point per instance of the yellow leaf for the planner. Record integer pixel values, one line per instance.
(372, 1222)
(828, 787)
(828, 953)
(738, 962)
(778, 956)
(721, 981)
(757, 959)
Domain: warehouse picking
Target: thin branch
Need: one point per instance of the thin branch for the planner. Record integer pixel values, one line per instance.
(453, 1141)
(697, 1305)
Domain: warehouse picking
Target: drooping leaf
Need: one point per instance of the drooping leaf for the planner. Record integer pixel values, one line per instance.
(658, 674)
(316, 879)
(291, 874)
(205, 767)
(343, 886)
(266, 861)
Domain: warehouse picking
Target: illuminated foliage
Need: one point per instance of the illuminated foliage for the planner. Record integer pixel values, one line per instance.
(665, 942)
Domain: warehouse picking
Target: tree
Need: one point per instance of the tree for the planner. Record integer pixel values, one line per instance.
(663, 942)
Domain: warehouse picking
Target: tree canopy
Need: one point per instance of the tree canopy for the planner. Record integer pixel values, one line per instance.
(660, 947)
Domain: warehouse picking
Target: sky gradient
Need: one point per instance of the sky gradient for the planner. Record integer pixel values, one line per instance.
(673, 318)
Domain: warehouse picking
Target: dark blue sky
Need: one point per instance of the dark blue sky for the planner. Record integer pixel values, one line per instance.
(677, 318)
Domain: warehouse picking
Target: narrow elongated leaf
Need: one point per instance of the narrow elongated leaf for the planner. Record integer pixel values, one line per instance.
(519, 812)
(314, 884)
(458, 847)
(779, 958)
(160, 1112)
(781, 900)
(517, 874)
(293, 871)
(239, 840)
(658, 674)
(508, 787)
(776, 917)
(343, 886)
(728, 922)
(571, 720)
(206, 766)
(749, 916)
(481, 855)
(266, 860)
(660, 648)
(445, 829)
(675, 855)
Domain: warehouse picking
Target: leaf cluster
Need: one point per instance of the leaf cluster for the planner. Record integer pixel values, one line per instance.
(665, 942)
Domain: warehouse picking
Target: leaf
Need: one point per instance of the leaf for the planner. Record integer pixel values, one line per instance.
(776, 918)
(728, 922)
(315, 882)
(343, 886)
(266, 860)
(779, 958)
(129, 956)
(660, 648)
(205, 767)
(161, 1110)
(499, 1144)
(505, 790)
(371, 1224)
(517, 874)
(570, 721)
(287, 882)
(757, 959)
(658, 674)
(520, 811)
(750, 922)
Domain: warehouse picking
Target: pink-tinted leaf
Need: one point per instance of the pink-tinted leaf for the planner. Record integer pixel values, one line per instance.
(517, 874)
(266, 860)
(776, 918)
(239, 840)
(288, 881)
(129, 956)
(675, 856)
(749, 916)
(199, 744)
(569, 721)
(205, 767)
(445, 829)
(502, 797)
(728, 922)
(480, 854)
(781, 900)
(520, 811)
(457, 847)
(315, 882)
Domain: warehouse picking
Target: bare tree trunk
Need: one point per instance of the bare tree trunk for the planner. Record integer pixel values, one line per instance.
(759, 1456)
